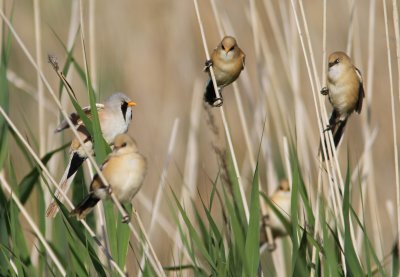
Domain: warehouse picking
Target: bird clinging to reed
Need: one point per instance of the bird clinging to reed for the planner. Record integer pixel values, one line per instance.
(124, 169)
(345, 92)
(227, 61)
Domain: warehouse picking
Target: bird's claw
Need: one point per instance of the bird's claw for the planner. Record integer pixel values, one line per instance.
(218, 102)
(271, 246)
(207, 64)
(126, 219)
(109, 190)
(324, 91)
(328, 128)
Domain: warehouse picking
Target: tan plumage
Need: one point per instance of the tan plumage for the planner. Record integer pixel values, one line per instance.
(124, 170)
(227, 61)
(345, 91)
(281, 199)
(115, 116)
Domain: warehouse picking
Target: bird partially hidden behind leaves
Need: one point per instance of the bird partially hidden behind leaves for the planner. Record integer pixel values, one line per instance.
(115, 115)
(281, 201)
(124, 170)
(227, 61)
(345, 92)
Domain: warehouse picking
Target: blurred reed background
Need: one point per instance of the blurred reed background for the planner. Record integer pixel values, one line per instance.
(153, 52)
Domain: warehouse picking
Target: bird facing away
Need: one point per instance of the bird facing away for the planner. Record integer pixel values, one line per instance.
(124, 169)
(345, 91)
(281, 199)
(227, 61)
(115, 116)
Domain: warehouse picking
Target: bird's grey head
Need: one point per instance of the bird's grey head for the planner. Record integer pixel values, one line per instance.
(120, 102)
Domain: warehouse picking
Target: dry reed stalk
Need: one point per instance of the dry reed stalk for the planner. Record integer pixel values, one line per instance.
(224, 121)
(191, 163)
(161, 185)
(34, 227)
(352, 8)
(397, 34)
(27, 88)
(368, 184)
(394, 124)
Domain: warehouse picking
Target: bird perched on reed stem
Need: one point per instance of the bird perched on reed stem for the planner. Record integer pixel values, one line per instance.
(281, 199)
(124, 169)
(115, 115)
(345, 92)
(227, 61)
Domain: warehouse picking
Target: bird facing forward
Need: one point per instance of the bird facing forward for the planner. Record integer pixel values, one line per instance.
(124, 169)
(345, 91)
(227, 61)
(115, 116)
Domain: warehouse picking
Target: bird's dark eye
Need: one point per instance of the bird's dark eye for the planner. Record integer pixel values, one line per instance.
(223, 47)
(123, 145)
(231, 48)
(337, 61)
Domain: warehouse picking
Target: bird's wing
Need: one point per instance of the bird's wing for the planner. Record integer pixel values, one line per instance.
(75, 118)
(361, 93)
(243, 59)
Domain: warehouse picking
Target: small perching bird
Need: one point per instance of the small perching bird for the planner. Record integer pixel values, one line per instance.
(345, 91)
(115, 116)
(281, 199)
(124, 169)
(227, 61)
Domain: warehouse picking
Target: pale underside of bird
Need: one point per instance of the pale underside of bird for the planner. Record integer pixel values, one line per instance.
(115, 116)
(124, 170)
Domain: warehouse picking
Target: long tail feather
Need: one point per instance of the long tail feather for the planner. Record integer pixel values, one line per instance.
(74, 163)
(209, 94)
(85, 207)
(337, 131)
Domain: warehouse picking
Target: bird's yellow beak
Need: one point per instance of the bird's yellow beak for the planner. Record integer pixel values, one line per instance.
(131, 103)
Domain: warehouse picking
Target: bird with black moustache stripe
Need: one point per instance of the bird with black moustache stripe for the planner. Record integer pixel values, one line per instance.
(115, 116)
(345, 92)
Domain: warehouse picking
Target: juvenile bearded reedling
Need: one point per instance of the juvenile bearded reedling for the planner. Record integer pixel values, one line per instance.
(114, 116)
(227, 61)
(281, 199)
(124, 170)
(345, 91)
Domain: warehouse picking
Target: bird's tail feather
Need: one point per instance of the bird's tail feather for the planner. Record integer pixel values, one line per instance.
(209, 94)
(338, 127)
(86, 206)
(337, 135)
(74, 163)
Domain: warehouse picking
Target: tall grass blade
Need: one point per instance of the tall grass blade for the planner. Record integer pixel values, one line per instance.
(352, 263)
(252, 251)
